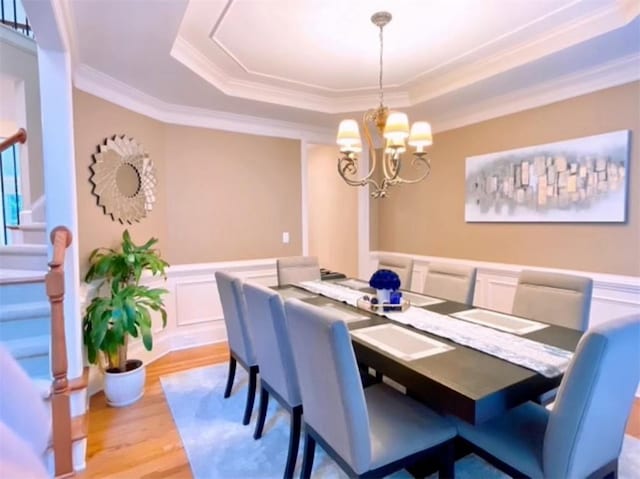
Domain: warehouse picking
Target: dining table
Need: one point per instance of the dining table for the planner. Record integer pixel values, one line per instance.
(450, 377)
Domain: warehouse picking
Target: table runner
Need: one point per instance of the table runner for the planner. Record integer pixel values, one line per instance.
(550, 361)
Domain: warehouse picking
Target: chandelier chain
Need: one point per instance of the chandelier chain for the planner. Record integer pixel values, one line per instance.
(380, 76)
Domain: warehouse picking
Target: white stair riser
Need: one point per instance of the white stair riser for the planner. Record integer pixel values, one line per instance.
(19, 293)
(28, 236)
(35, 261)
(22, 328)
(36, 366)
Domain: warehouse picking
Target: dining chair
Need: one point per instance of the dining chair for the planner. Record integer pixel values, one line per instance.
(582, 436)
(266, 322)
(240, 347)
(451, 281)
(403, 267)
(560, 299)
(294, 269)
(369, 432)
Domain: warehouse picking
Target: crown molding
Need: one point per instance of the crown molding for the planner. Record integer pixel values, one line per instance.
(617, 72)
(114, 91)
(196, 61)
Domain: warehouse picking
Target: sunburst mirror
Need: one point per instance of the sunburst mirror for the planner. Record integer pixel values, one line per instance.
(122, 175)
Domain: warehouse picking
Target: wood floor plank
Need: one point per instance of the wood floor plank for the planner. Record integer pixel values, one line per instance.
(141, 440)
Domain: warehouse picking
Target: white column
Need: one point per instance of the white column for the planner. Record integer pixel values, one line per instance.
(304, 178)
(61, 208)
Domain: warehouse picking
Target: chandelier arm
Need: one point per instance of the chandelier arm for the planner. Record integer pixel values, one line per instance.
(418, 161)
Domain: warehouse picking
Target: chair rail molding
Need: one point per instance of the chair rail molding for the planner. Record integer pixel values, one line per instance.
(613, 295)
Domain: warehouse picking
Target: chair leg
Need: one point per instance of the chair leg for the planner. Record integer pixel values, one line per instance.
(294, 441)
(262, 412)
(251, 394)
(307, 456)
(446, 460)
(232, 374)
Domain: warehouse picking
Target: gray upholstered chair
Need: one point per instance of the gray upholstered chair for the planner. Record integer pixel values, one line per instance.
(240, 347)
(294, 269)
(451, 281)
(560, 299)
(368, 432)
(266, 321)
(582, 436)
(403, 267)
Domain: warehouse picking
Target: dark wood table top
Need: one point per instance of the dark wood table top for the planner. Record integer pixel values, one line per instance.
(464, 382)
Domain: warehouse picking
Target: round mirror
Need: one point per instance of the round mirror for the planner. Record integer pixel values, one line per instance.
(123, 179)
(128, 180)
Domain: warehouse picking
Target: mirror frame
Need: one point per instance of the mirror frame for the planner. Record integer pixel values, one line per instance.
(112, 154)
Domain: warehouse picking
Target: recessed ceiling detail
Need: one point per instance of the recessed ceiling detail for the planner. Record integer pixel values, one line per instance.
(323, 56)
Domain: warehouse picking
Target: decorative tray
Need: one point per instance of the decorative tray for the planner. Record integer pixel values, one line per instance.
(381, 308)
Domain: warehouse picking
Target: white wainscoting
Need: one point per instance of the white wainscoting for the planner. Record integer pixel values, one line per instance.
(613, 295)
(194, 312)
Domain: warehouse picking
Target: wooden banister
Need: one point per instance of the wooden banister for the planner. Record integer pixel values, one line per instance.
(60, 404)
(19, 136)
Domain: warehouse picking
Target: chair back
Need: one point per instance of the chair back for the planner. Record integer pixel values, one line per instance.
(451, 281)
(586, 426)
(332, 395)
(234, 309)
(294, 269)
(560, 299)
(403, 267)
(266, 321)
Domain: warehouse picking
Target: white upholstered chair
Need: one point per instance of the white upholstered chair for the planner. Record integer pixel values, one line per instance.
(240, 346)
(369, 432)
(403, 267)
(266, 322)
(451, 281)
(582, 436)
(559, 299)
(294, 269)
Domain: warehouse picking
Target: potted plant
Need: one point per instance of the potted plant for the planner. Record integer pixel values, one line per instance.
(122, 308)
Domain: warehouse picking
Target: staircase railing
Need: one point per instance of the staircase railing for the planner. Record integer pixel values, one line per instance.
(60, 402)
(19, 137)
(13, 16)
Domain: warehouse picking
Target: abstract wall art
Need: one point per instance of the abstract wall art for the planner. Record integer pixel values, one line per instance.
(579, 180)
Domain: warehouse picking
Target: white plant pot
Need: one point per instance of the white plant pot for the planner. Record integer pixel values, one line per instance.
(384, 296)
(123, 389)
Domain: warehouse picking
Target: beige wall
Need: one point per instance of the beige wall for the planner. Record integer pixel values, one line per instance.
(333, 213)
(231, 196)
(220, 196)
(95, 120)
(428, 218)
(21, 68)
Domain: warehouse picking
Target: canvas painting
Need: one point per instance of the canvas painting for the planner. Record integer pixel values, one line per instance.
(579, 180)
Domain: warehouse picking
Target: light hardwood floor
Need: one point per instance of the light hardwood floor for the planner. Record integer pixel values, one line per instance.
(141, 441)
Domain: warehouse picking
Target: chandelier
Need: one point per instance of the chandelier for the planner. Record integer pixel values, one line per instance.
(393, 127)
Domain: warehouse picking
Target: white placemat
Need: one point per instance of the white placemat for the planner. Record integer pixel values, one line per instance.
(289, 293)
(400, 342)
(333, 291)
(345, 314)
(504, 322)
(420, 299)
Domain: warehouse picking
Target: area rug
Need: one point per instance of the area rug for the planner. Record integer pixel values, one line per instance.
(219, 446)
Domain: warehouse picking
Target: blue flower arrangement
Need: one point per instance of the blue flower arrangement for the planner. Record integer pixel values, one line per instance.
(385, 279)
